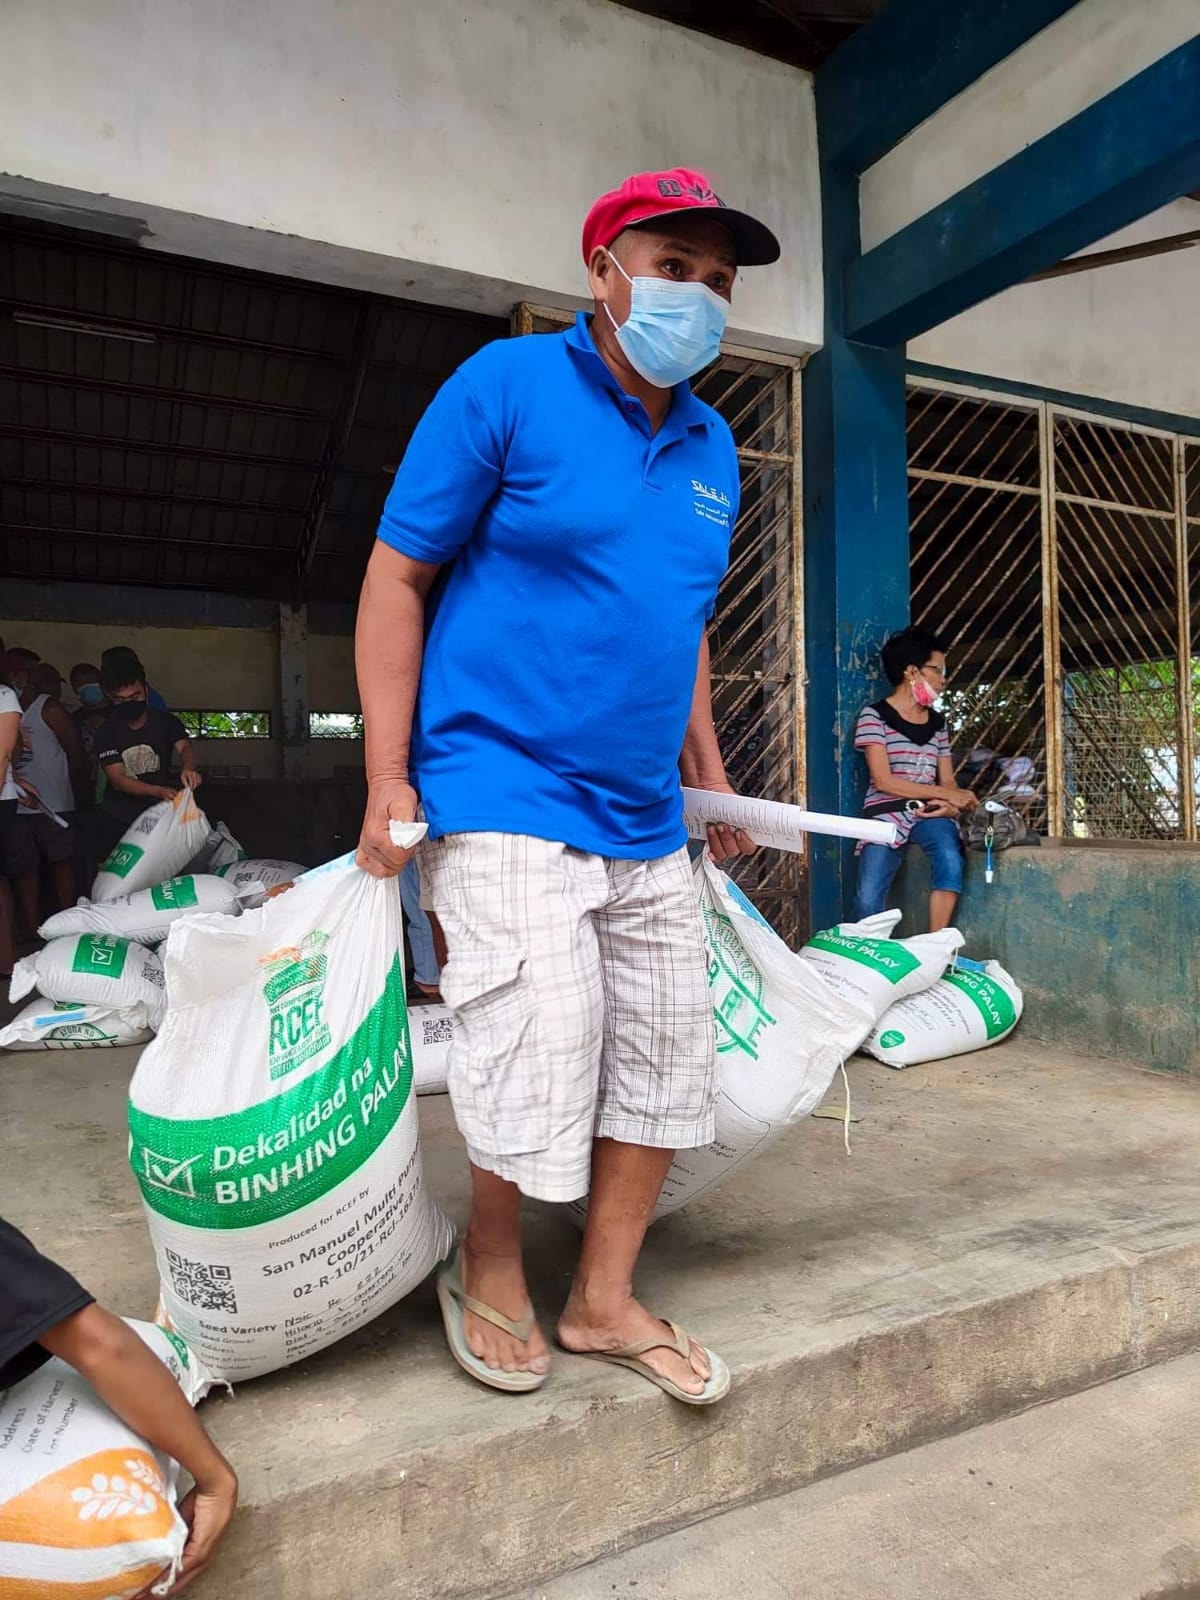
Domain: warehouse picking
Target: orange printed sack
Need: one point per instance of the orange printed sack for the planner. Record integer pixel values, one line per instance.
(87, 1509)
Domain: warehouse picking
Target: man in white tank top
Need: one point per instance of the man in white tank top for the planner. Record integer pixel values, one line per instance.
(52, 762)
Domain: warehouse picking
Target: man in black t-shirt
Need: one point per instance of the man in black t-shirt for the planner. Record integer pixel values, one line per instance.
(134, 750)
(44, 1312)
(35, 1296)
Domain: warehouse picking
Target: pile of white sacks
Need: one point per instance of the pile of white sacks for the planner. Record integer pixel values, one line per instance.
(903, 1001)
(98, 980)
(283, 1182)
(786, 1021)
(273, 1133)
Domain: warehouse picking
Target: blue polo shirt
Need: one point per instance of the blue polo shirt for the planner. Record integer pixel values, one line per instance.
(586, 553)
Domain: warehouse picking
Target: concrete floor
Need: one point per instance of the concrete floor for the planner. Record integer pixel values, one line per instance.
(1096, 1497)
(1010, 1227)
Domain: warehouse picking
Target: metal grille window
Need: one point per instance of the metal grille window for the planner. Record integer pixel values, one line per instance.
(757, 633)
(335, 725)
(1053, 548)
(226, 724)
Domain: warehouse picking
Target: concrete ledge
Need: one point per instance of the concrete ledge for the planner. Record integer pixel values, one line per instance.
(1011, 1227)
(1082, 1499)
(1102, 938)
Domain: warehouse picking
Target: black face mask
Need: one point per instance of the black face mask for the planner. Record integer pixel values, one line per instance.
(129, 710)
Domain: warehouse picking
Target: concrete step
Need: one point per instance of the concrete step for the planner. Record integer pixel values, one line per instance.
(1096, 1497)
(1011, 1227)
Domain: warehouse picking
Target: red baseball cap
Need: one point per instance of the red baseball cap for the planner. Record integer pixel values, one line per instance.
(648, 196)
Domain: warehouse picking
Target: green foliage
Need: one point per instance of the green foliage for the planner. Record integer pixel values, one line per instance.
(335, 725)
(226, 724)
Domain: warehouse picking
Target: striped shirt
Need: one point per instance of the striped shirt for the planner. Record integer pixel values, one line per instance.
(913, 750)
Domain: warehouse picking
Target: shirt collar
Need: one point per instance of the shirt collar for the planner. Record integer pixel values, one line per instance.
(686, 411)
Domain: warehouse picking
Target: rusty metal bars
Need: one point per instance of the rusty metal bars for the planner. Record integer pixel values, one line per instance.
(1185, 670)
(1056, 782)
(1115, 536)
(975, 521)
(1057, 551)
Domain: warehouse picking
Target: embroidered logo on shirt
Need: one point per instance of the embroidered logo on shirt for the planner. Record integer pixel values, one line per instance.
(711, 504)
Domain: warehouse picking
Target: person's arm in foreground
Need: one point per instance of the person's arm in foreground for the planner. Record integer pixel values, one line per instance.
(962, 799)
(388, 646)
(451, 469)
(115, 772)
(10, 741)
(188, 775)
(943, 791)
(131, 1380)
(64, 730)
(948, 785)
(701, 766)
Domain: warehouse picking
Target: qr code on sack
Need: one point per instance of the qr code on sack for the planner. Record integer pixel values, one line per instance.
(437, 1030)
(202, 1284)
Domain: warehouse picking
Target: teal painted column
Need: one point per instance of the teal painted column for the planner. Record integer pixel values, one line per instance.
(885, 80)
(856, 577)
(856, 571)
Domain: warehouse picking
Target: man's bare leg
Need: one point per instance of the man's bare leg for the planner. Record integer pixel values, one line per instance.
(492, 1272)
(28, 901)
(64, 884)
(601, 1312)
(942, 905)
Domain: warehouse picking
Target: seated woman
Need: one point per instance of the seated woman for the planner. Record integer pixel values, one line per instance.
(911, 778)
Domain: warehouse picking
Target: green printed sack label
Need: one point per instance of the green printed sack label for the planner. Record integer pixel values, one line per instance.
(888, 957)
(256, 1165)
(963, 1011)
(80, 1033)
(735, 987)
(179, 1347)
(273, 1130)
(123, 859)
(174, 895)
(992, 1001)
(295, 992)
(101, 955)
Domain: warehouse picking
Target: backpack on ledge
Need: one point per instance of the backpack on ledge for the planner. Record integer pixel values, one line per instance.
(1006, 827)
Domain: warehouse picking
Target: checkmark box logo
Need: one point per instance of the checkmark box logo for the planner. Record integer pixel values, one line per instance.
(165, 1172)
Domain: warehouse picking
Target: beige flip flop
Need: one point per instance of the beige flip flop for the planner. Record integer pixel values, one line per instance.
(630, 1355)
(454, 1300)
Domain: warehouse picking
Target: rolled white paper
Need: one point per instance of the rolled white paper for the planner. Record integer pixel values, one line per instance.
(770, 822)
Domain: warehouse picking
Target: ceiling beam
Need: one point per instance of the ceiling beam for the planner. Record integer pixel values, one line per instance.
(151, 391)
(1115, 258)
(336, 439)
(166, 497)
(126, 446)
(900, 68)
(1133, 151)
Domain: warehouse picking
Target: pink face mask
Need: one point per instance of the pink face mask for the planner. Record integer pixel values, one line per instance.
(922, 693)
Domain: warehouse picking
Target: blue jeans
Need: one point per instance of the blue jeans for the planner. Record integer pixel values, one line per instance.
(879, 863)
(420, 934)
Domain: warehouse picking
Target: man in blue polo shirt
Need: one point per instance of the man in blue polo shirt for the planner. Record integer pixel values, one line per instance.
(543, 707)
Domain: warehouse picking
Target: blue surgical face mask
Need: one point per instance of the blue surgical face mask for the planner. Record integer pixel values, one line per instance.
(673, 330)
(91, 694)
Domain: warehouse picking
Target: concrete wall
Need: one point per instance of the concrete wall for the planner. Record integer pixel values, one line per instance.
(1128, 333)
(234, 669)
(1089, 51)
(1102, 939)
(438, 152)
